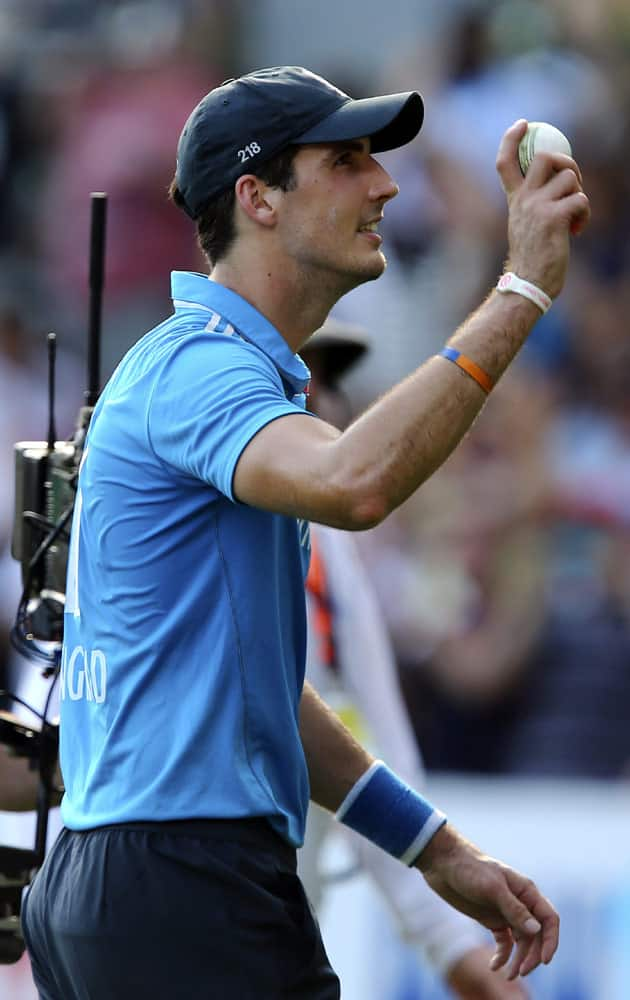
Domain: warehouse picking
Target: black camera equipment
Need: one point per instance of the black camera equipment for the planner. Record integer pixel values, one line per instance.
(46, 474)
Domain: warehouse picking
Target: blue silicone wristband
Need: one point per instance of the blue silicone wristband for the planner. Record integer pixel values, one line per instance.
(387, 811)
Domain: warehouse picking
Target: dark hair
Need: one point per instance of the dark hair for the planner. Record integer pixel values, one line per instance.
(215, 224)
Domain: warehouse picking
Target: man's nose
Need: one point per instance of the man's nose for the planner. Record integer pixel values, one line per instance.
(383, 187)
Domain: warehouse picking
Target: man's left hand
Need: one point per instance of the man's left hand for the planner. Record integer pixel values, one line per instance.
(524, 924)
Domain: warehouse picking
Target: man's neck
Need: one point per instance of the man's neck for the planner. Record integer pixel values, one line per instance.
(296, 304)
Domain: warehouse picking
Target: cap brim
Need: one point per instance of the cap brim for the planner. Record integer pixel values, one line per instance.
(390, 121)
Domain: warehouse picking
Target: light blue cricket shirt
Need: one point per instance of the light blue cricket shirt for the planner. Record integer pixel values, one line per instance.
(185, 632)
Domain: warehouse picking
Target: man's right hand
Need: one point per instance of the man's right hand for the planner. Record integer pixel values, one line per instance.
(545, 207)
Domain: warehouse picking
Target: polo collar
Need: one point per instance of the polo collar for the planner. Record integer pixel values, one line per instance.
(190, 290)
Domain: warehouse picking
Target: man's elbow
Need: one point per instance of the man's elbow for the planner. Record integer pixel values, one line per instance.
(364, 506)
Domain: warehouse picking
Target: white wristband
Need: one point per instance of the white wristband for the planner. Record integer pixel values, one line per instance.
(510, 282)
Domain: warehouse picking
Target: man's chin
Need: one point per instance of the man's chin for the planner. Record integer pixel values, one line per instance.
(372, 270)
(359, 272)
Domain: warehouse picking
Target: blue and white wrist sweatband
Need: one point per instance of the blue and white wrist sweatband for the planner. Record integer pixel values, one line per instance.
(387, 811)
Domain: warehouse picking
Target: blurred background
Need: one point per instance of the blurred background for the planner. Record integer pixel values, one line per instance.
(505, 581)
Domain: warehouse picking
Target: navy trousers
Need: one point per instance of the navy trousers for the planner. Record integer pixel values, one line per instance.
(199, 910)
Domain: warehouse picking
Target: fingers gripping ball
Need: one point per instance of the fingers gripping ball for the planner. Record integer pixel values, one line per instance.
(541, 138)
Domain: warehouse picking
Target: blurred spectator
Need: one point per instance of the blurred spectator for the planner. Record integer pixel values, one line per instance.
(507, 592)
(464, 591)
(117, 134)
(350, 662)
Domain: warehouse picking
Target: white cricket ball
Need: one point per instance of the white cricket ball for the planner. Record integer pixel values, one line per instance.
(541, 138)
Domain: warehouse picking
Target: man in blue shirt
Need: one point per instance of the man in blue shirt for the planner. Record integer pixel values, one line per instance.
(160, 542)
(190, 744)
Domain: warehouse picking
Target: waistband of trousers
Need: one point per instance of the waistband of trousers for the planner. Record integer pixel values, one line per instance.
(247, 829)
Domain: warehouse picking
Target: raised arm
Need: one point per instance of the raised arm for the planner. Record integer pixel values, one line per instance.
(306, 468)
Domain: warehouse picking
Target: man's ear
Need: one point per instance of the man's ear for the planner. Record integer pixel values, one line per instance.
(257, 199)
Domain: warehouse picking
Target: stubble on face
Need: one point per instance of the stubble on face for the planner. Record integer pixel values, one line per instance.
(365, 263)
(322, 237)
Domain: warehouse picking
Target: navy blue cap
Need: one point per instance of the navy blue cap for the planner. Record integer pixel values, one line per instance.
(245, 122)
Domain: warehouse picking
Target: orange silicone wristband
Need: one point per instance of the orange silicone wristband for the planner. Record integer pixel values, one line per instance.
(469, 366)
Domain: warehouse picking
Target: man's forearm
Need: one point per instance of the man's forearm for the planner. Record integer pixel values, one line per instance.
(363, 792)
(498, 897)
(334, 758)
(403, 438)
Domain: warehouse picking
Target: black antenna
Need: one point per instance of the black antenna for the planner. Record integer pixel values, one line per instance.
(97, 269)
(52, 350)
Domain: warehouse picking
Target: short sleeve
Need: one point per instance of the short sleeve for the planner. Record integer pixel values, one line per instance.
(210, 398)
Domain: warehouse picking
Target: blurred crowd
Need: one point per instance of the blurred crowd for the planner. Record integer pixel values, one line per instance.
(506, 579)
